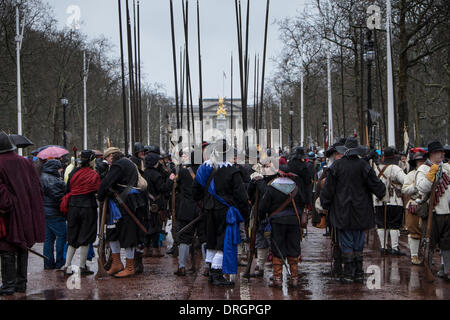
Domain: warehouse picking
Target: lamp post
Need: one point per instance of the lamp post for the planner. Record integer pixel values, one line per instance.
(291, 114)
(64, 103)
(369, 57)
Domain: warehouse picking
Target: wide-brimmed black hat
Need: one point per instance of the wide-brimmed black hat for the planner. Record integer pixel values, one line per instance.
(389, 152)
(298, 153)
(435, 146)
(87, 156)
(332, 149)
(6, 145)
(351, 148)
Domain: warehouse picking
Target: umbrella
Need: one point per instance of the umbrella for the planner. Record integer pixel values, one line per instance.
(35, 152)
(52, 152)
(20, 141)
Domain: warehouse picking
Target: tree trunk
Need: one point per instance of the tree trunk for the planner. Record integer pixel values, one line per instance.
(402, 75)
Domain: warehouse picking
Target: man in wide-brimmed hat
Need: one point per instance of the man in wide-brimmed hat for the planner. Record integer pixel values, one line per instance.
(304, 177)
(221, 205)
(22, 218)
(347, 195)
(413, 223)
(393, 177)
(435, 168)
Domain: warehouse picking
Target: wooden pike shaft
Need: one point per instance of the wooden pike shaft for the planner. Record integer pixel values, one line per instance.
(124, 98)
(261, 102)
(200, 104)
(130, 73)
(174, 53)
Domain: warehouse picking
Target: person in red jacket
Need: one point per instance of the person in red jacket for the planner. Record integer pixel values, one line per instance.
(22, 218)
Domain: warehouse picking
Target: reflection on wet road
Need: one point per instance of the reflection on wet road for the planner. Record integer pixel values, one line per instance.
(399, 279)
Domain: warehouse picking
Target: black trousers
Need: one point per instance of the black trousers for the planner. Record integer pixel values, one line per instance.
(440, 231)
(394, 217)
(81, 226)
(287, 238)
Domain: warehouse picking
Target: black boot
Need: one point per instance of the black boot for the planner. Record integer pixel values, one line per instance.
(359, 271)
(218, 279)
(22, 268)
(349, 268)
(8, 273)
(337, 262)
(207, 269)
(138, 265)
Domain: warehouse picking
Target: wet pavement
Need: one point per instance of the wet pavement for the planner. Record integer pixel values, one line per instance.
(398, 280)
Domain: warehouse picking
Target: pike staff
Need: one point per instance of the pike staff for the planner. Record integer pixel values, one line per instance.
(264, 64)
(124, 97)
(174, 54)
(200, 104)
(130, 73)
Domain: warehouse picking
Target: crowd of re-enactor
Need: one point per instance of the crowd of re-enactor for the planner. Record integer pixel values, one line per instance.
(222, 208)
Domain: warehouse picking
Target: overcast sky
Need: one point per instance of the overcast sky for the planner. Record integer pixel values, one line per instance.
(218, 37)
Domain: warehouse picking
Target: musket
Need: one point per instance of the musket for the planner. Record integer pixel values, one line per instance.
(136, 220)
(251, 252)
(101, 261)
(174, 53)
(279, 252)
(174, 229)
(124, 99)
(32, 251)
(428, 256)
(190, 225)
(385, 226)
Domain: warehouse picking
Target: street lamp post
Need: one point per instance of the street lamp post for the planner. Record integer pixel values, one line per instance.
(64, 103)
(369, 57)
(291, 114)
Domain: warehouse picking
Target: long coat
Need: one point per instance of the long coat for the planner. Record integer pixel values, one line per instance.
(347, 193)
(21, 202)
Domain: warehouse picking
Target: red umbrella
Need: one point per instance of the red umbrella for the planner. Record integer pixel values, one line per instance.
(52, 152)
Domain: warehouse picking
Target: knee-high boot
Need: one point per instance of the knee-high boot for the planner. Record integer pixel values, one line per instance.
(349, 268)
(359, 271)
(277, 281)
(293, 267)
(22, 268)
(8, 273)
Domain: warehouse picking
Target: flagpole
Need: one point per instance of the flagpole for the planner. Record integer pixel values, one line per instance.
(390, 82)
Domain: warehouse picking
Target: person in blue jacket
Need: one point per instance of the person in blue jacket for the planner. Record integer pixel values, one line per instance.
(53, 189)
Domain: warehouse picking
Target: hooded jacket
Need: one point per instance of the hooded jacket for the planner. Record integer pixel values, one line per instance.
(53, 188)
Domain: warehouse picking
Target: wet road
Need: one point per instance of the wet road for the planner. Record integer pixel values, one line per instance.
(398, 280)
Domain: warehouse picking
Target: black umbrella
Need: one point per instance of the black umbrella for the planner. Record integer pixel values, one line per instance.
(20, 141)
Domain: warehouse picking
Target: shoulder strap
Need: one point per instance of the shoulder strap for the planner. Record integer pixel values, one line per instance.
(191, 172)
(284, 205)
(382, 171)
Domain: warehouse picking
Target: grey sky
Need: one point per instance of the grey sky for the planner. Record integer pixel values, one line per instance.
(218, 36)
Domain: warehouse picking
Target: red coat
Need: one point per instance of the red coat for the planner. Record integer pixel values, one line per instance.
(21, 203)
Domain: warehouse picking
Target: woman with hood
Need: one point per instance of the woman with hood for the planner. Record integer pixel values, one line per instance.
(53, 190)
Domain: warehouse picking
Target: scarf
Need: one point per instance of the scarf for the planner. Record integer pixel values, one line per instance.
(234, 217)
(84, 181)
